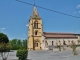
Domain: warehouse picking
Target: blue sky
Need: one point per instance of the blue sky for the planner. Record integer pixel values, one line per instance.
(15, 15)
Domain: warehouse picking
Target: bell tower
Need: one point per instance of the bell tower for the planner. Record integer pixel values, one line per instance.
(35, 31)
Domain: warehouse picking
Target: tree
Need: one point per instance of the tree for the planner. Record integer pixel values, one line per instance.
(19, 43)
(4, 49)
(4, 46)
(13, 44)
(22, 53)
(3, 38)
(24, 43)
(73, 46)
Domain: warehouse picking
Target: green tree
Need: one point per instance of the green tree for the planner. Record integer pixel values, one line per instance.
(3, 38)
(24, 44)
(4, 46)
(19, 43)
(13, 44)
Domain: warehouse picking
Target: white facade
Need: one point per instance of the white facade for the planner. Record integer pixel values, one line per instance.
(68, 41)
(56, 41)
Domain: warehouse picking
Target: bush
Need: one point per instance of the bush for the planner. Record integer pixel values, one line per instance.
(22, 54)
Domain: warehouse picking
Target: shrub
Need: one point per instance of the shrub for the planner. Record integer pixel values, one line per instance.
(22, 54)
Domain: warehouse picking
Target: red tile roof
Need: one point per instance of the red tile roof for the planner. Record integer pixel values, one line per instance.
(59, 35)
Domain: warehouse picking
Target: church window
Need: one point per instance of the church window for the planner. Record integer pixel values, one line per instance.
(35, 24)
(64, 43)
(68, 40)
(36, 32)
(36, 44)
(72, 42)
(52, 42)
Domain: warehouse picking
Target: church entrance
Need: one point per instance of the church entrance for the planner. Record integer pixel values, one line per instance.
(36, 45)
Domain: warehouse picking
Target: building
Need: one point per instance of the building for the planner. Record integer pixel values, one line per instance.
(39, 40)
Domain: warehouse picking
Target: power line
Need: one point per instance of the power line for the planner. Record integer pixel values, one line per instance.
(34, 2)
(48, 9)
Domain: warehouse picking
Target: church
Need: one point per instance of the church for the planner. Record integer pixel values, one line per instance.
(40, 40)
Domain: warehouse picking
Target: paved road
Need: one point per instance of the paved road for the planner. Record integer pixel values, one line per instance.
(46, 55)
(50, 55)
(12, 56)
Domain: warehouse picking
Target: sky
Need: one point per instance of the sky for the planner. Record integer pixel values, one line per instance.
(14, 16)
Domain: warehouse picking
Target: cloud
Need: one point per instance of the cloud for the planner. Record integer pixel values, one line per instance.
(26, 25)
(3, 28)
(77, 12)
(78, 6)
(23, 34)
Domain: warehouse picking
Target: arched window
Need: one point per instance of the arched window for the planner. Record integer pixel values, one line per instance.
(35, 24)
(64, 43)
(52, 42)
(36, 32)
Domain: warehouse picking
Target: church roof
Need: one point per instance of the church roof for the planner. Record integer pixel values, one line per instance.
(35, 13)
(60, 35)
